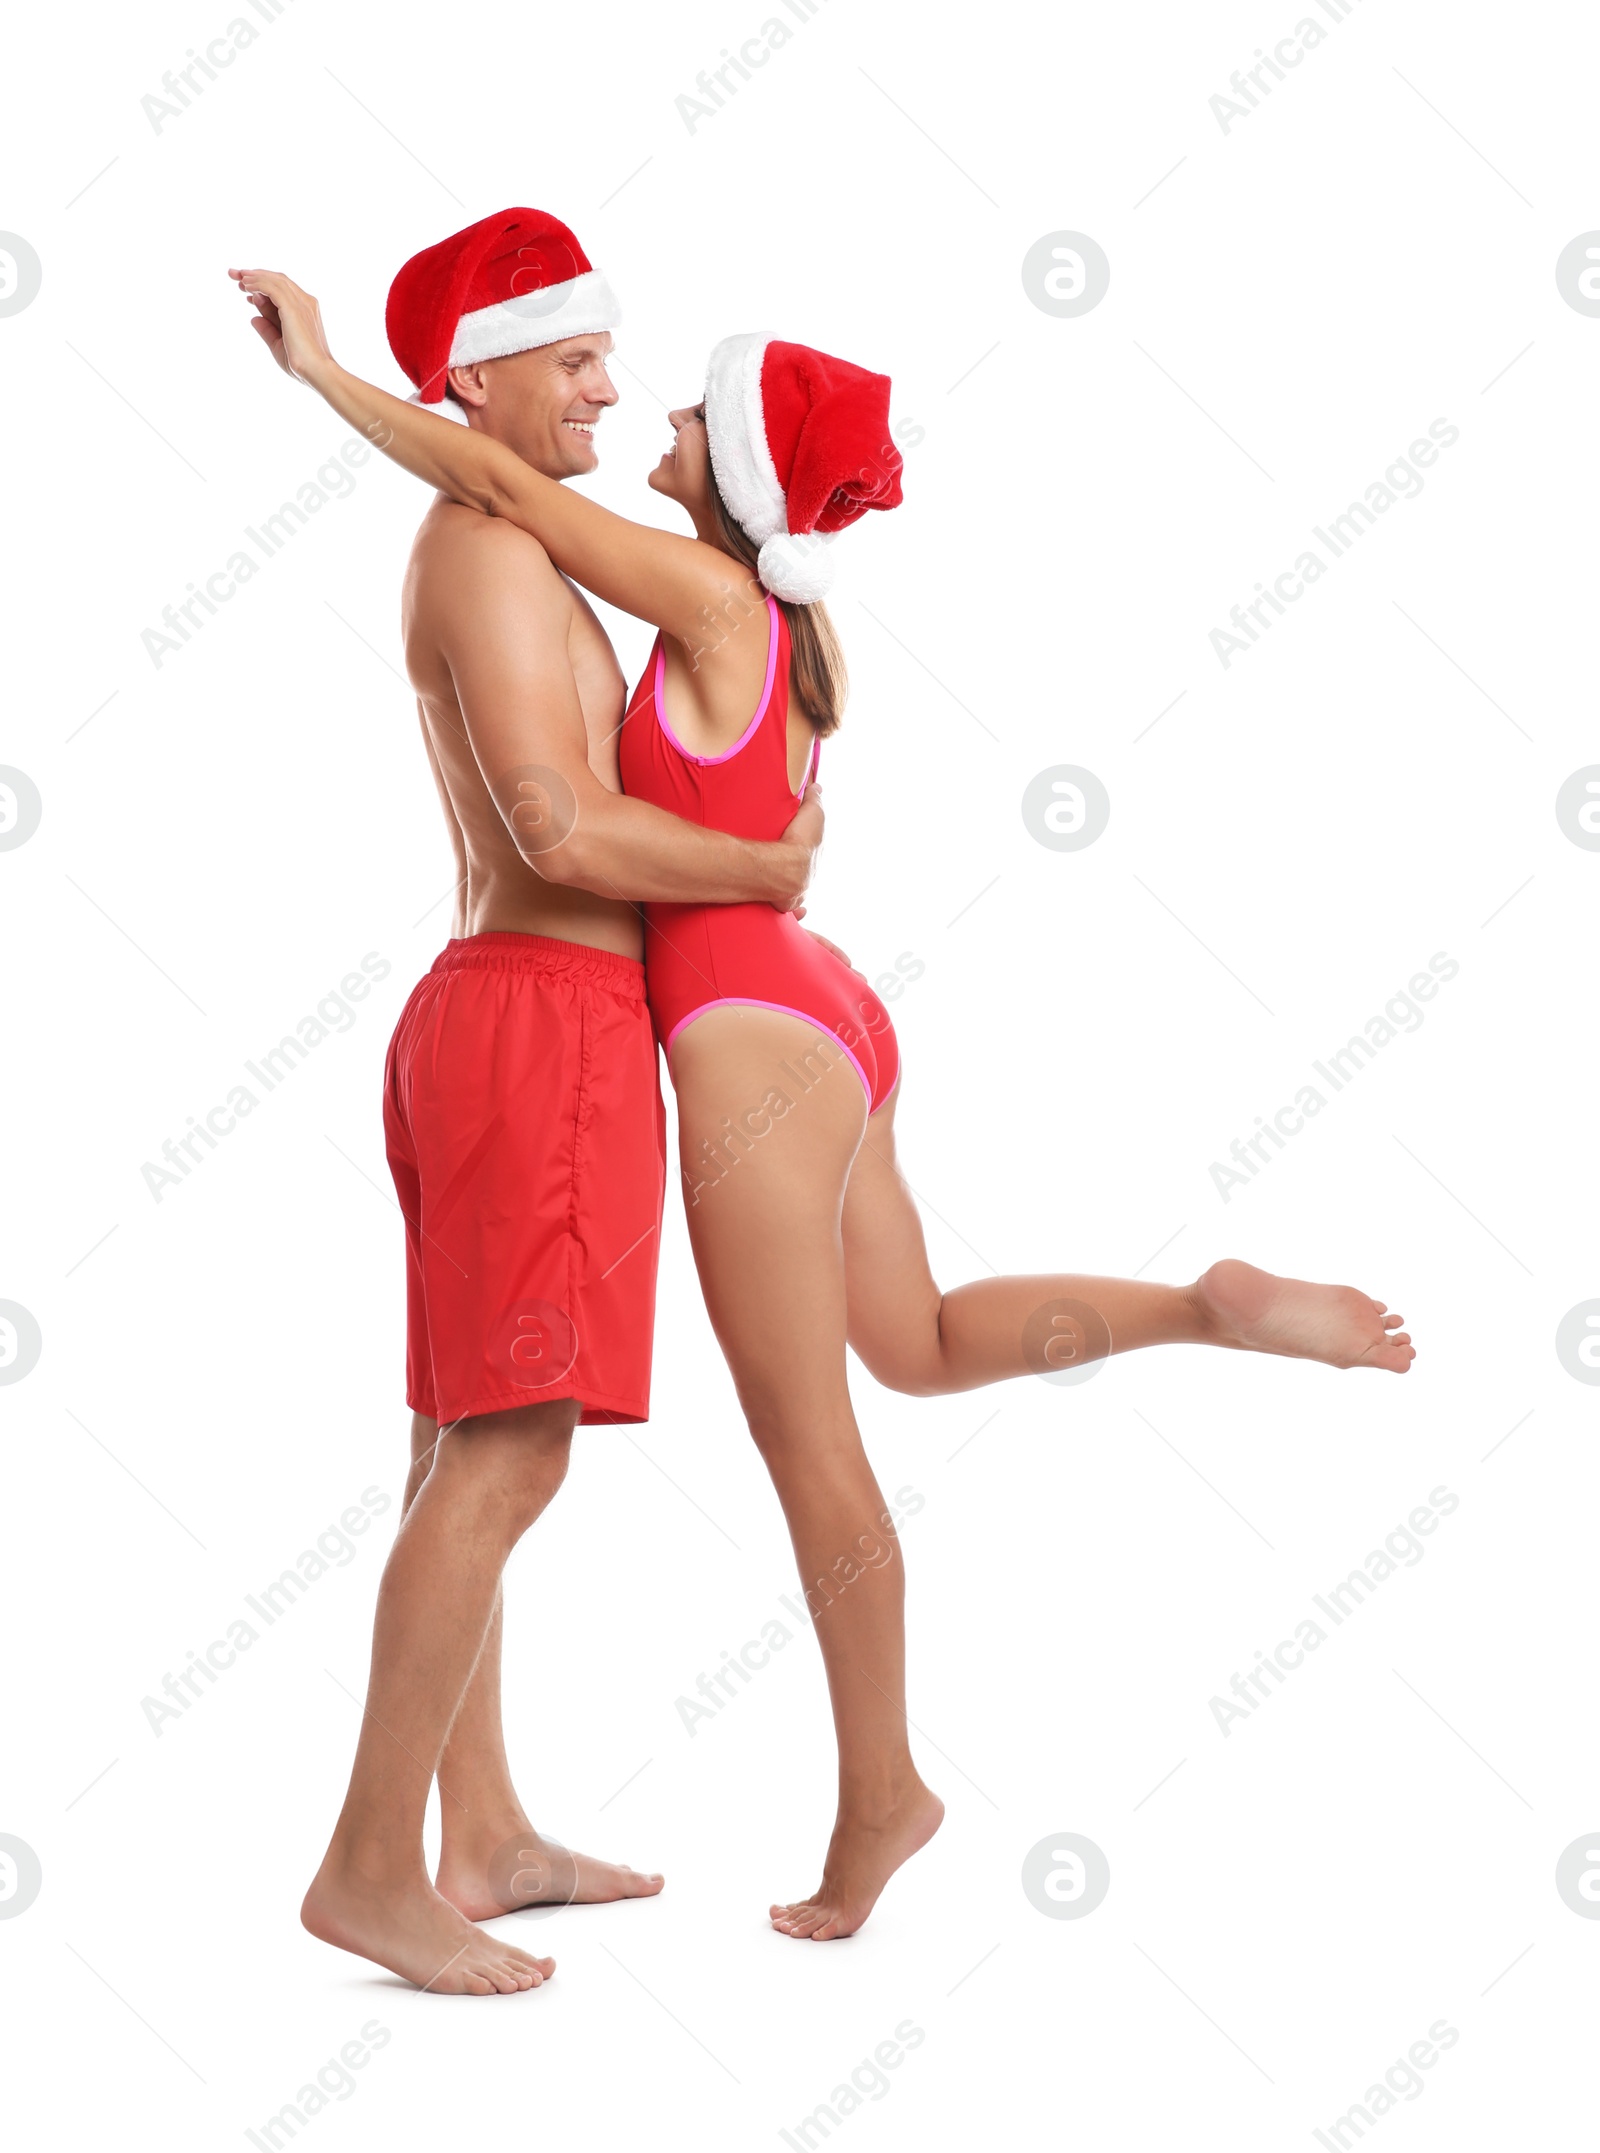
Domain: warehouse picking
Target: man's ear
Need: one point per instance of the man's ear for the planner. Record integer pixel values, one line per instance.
(469, 385)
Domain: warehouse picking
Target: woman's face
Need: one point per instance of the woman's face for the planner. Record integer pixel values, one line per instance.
(684, 472)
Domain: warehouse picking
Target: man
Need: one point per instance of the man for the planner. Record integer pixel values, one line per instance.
(522, 1109)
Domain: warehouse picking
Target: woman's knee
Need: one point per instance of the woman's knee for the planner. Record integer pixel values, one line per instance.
(910, 1361)
(770, 1413)
(911, 1381)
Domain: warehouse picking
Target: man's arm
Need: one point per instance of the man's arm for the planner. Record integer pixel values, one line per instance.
(505, 616)
(452, 822)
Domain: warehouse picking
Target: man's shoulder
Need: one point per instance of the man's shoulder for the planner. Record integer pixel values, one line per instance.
(465, 567)
(451, 538)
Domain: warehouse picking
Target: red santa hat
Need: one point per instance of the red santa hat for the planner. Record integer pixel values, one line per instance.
(508, 283)
(800, 447)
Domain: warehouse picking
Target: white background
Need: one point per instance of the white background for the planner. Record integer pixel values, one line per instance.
(225, 836)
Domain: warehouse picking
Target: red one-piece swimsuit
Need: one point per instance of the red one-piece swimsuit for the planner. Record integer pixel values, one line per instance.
(700, 957)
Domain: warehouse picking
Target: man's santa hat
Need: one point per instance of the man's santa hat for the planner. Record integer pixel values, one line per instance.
(800, 447)
(509, 283)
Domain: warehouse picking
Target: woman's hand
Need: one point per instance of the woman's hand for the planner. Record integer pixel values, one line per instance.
(834, 950)
(288, 321)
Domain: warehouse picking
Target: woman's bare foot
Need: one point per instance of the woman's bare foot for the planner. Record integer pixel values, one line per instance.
(406, 1927)
(861, 1860)
(494, 1870)
(1262, 1313)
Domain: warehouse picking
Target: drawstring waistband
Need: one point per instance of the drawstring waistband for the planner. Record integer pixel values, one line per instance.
(546, 954)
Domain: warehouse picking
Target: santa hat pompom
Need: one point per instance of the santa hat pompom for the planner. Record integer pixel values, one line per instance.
(800, 447)
(797, 568)
(445, 408)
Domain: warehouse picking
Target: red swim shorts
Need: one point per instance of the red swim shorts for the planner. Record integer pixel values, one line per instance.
(527, 1141)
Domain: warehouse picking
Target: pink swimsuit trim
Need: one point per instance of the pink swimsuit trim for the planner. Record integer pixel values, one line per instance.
(707, 762)
(784, 1009)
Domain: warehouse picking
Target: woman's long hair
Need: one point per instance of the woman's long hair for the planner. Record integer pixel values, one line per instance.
(818, 679)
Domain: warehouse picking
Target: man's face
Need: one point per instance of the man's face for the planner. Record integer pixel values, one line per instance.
(545, 404)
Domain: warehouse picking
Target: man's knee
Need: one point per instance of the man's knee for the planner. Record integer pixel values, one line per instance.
(509, 1465)
(424, 1442)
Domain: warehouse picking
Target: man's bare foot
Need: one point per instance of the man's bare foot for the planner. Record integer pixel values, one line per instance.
(409, 1929)
(495, 1870)
(861, 1860)
(1262, 1313)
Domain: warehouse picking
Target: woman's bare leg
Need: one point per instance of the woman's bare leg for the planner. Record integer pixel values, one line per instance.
(481, 1813)
(915, 1338)
(769, 1121)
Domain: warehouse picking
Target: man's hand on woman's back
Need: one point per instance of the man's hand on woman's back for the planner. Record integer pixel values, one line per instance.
(795, 853)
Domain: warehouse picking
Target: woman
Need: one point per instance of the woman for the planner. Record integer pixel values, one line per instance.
(783, 1059)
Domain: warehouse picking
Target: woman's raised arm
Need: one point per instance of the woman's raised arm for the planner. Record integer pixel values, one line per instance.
(658, 576)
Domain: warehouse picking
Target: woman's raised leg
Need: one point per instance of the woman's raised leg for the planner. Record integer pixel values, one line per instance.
(914, 1338)
(770, 1115)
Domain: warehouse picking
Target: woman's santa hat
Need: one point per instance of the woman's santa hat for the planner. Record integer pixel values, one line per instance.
(800, 447)
(509, 283)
